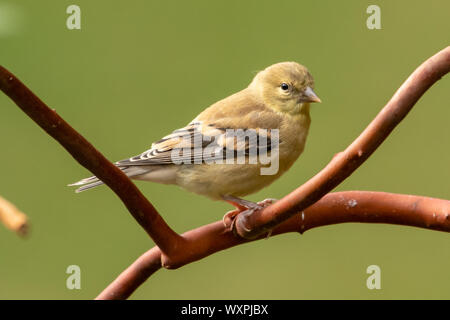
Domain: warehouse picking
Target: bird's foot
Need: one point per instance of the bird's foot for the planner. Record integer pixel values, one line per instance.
(229, 218)
(267, 202)
(243, 206)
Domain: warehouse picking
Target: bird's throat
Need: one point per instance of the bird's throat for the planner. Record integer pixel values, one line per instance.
(300, 109)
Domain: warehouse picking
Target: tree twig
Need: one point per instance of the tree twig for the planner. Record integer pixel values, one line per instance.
(13, 218)
(334, 208)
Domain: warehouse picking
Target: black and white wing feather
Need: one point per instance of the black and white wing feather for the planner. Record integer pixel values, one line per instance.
(196, 143)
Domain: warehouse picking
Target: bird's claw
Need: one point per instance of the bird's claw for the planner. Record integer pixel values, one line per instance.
(266, 202)
(229, 218)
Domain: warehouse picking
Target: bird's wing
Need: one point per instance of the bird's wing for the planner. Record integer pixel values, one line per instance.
(199, 143)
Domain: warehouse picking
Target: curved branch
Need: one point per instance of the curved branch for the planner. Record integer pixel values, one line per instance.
(83, 152)
(334, 208)
(346, 162)
(175, 250)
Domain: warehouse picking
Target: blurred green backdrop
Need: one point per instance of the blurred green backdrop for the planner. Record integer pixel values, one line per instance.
(138, 69)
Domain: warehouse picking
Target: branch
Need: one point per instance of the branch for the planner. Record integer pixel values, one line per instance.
(175, 250)
(83, 152)
(345, 163)
(331, 209)
(13, 218)
(334, 208)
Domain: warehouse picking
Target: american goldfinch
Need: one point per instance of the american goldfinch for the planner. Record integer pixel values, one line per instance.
(273, 109)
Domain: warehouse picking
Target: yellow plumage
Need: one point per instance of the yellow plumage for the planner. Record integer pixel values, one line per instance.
(277, 98)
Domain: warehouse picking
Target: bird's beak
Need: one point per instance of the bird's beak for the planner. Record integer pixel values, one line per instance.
(310, 96)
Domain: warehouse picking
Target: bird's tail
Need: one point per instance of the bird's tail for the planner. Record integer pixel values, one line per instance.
(93, 181)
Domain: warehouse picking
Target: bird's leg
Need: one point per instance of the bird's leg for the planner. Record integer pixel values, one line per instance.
(242, 205)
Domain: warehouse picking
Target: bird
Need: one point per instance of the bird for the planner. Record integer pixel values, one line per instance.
(270, 118)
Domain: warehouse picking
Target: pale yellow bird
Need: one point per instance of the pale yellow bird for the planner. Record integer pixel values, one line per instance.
(272, 113)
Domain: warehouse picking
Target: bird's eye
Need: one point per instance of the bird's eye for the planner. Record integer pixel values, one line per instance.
(284, 86)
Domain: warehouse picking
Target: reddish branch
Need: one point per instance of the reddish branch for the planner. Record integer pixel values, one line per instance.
(83, 152)
(333, 208)
(346, 162)
(339, 207)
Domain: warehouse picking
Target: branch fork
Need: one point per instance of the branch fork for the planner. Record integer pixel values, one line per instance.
(310, 205)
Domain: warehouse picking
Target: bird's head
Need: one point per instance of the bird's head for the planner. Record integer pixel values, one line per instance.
(286, 87)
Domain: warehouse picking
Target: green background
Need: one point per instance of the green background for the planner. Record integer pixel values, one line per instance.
(138, 70)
